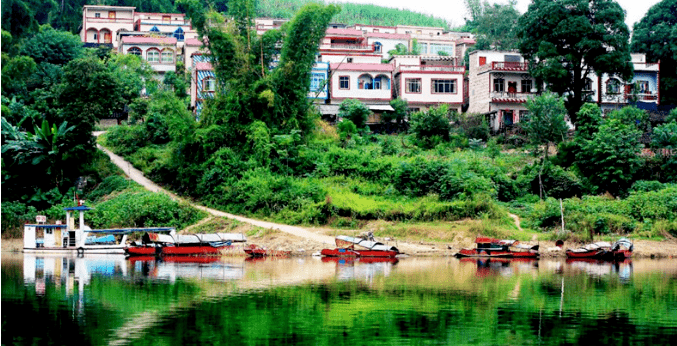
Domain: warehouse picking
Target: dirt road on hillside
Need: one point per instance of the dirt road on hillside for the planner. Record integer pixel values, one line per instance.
(328, 241)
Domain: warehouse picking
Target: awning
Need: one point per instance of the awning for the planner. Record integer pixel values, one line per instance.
(381, 108)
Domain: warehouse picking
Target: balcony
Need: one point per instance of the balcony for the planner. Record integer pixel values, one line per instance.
(509, 66)
(506, 97)
(419, 68)
(349, 46)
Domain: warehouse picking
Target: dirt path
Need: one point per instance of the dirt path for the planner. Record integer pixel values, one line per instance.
(517, 220)
(138, 177)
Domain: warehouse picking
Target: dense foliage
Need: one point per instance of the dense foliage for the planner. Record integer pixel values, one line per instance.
(566, 40)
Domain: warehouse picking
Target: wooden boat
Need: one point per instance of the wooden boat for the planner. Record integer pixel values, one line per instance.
(492, 248)
(358, 247)
(257, 251)
(178, 245)
(618, 251)
(69, 239)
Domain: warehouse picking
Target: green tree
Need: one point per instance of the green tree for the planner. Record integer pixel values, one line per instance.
(53, 46)
(400, 109)
(567, 40)
(435, 122)
(544, 124)
(656, 36)
(355, 111)
(610, 159)
(494, 25)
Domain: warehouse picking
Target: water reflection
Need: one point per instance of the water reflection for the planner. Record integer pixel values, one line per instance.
(307, 301)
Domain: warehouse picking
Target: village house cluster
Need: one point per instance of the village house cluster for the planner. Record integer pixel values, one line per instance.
(353, 63)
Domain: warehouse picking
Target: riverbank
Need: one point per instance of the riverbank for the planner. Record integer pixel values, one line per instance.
(278, 240)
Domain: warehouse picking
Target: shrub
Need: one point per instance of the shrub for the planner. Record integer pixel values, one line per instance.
(14, 215)
(355, 111)
(433, 123)
(474, 126)
(109, 185)
(126, 140)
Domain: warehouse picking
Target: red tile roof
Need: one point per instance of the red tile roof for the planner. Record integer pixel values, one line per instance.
(203, 66)
(193, 42)
(362, 67)
(340, 32)
(149, 40)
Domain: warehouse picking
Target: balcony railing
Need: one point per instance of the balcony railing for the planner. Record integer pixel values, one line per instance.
(348, 46)
(507, 97)
(509, 66)
(417, 68)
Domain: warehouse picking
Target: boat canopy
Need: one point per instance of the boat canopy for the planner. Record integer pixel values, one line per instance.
(343, 240)
(234, 237)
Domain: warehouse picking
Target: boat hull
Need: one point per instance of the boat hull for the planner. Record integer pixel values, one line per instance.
(339, 253)
(93, 249)
(142, 250)
(377, 253)
(599, 254)
(496, 253)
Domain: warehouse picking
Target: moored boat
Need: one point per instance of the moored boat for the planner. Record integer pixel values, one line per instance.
(619, 250)
(67, 238)
(179, 245)
(358, 247)
(490, 247)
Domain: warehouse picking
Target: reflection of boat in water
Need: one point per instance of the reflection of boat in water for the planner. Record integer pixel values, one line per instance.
(66, 239)
(618, 251)
(358, 247)
(500, 266)
(492, 248)
(600, 267)
(361, 268)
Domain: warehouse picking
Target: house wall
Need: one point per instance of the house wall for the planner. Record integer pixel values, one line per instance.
(383, 95)
(387, 45)
(161, 66)
(356, 59)
(426, 95)
(123, 20)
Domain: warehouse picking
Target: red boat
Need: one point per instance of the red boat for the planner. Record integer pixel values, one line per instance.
(257, 251)
(492, 248)
(619, 251)
(358, 247)
(177, 245)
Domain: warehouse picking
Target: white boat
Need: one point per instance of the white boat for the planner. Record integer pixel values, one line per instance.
(65, 239)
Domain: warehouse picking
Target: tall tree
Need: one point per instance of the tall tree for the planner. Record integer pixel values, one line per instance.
(567, 40)
(545, 124)
(656, 36)
(494, 25)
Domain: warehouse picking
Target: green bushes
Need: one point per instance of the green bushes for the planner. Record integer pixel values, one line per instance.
(109, 185)
(143, 209)
(14, 215)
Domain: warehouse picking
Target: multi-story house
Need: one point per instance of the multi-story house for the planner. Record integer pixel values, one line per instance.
(426, 82)
(264, 24)
(170, 24)
(160, 52)
(347, 46)
(500, 84)
(203, 82)
(101, 24)
(369, 83)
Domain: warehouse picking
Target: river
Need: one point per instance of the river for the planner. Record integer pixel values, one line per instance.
(110, 300)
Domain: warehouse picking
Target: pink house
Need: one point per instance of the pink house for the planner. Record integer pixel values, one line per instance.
(428, 81)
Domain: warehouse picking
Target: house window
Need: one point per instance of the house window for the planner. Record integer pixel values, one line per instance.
(499, 85)
(375, 30)
(97, 15)
(588, 85)
(378, 47)
(209, 84)
(96, 36)
(167, 57)
(365, 82)
(111, 14)
(153, 56)
(413, 85)
(166, 19)
(444, 86)
(344, 82)
(316, 81)
(135, 51)
(179, 34)
(350, 59)
(526, 85)
(642, 87)
(613, 86)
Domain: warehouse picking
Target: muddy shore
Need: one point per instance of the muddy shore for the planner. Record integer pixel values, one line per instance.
(304, 247)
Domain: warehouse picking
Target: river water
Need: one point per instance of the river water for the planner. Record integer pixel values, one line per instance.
(110, 300)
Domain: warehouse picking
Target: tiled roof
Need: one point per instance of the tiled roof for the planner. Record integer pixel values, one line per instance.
(193, 42)
(349, 32)
(203, 66)
(362, 67)
(148, 40)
